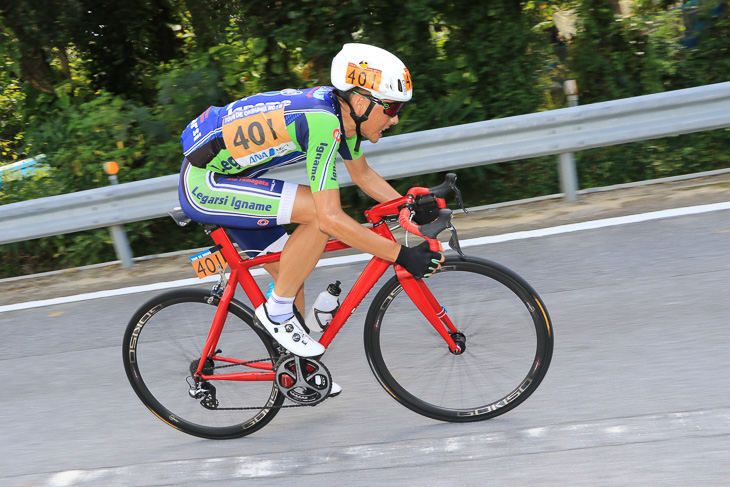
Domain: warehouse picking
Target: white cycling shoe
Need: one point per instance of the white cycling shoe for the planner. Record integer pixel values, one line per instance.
(335, 390)
(291, 335)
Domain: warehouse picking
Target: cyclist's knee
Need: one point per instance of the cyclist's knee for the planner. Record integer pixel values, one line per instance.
(304, 211)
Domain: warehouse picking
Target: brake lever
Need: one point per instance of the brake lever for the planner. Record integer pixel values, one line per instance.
(459, 200)
(454, 241)
(450, 182)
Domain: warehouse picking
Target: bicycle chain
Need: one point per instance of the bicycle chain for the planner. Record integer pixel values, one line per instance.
(244, 408)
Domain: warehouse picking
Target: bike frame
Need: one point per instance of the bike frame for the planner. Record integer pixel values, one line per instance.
(416, 289)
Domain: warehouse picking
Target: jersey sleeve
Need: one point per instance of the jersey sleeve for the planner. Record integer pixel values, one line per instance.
(347, 149)
(323, 142)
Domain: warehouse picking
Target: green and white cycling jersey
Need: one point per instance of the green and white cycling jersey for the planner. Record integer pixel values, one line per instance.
(256, 134)
(228, 149)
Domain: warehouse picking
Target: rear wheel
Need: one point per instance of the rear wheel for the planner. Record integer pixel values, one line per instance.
(162, 347)
(503, 329)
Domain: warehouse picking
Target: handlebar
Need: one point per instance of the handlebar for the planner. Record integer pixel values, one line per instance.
(429, 230)
(419, 198)
(449, 185)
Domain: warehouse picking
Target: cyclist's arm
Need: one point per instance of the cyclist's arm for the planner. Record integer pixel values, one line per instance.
(323, 142)
(335, 222)
(370, 181)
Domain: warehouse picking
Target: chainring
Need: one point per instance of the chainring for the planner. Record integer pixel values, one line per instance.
(310, 387)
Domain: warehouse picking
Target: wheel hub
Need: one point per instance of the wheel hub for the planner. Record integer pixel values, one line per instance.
(208, 366)
(460, 341)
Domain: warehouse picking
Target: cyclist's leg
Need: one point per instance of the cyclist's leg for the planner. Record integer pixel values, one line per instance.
(256, 204)
(264, 203)
(304, 247)
(260, 242)
(273, 270)
(301, 253)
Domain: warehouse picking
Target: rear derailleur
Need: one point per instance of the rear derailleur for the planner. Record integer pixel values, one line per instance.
(205, 391)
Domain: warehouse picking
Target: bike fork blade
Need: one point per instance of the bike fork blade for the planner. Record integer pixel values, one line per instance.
(422, 302)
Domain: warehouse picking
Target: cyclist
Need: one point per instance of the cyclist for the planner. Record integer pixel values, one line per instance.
(228, 149)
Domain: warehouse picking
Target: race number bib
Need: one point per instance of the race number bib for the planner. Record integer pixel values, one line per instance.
(254, 137)
(407, 78)
(368, 78)
(208, 262)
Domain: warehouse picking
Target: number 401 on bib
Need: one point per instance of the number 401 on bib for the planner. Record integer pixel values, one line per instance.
(206, 263)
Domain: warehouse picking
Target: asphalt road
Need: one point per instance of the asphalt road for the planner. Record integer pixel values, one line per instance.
(637, 393)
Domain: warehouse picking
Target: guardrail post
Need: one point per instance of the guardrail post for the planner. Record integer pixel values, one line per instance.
(566, 161)
(119, 236)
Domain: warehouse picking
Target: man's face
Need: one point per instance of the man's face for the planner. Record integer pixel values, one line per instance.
(377, 122)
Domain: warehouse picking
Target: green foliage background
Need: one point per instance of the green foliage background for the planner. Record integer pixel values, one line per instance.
(89, 81)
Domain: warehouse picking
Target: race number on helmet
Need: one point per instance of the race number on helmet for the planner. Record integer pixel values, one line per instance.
(374, 69)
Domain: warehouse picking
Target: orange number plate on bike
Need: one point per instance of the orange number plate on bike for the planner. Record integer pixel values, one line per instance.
(206, 263)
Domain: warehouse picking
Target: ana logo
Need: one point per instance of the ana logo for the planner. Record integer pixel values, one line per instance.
(336, 135)
(263, 222)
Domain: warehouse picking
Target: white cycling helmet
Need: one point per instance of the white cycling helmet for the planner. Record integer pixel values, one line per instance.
(374, 69)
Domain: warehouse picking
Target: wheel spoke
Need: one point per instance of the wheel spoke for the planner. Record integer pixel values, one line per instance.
(494, 309)
(167, 343)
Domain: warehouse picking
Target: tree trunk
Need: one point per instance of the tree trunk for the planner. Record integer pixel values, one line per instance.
(34, 68)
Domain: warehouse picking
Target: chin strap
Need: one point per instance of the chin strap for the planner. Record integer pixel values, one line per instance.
(359, 119)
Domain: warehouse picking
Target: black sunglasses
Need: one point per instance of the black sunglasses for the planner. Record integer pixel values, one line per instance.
(391, 108)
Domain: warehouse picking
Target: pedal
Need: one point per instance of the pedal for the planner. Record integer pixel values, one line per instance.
(303, 380)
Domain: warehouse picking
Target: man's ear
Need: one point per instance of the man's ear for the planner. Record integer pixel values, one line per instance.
(358, 104)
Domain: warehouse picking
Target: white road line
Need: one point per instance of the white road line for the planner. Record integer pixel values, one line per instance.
(349, 259)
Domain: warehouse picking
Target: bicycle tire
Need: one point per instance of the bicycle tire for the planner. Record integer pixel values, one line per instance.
(508, 343)
(165, 338)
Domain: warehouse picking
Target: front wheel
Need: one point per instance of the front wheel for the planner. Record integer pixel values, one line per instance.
(162, 348)
(503, 328)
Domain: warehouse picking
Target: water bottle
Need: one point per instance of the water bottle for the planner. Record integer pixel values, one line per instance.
(324, 307)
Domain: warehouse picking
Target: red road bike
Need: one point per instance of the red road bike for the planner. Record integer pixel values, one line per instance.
(469, 343)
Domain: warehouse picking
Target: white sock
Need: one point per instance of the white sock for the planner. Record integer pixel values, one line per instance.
(279, 309)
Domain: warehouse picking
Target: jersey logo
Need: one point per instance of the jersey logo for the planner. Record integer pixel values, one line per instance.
(204, 115)
(319, 93)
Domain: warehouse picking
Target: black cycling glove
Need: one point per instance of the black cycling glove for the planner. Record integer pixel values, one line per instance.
(418, 260)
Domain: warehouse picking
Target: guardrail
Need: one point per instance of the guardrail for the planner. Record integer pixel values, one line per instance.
(525, 136)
